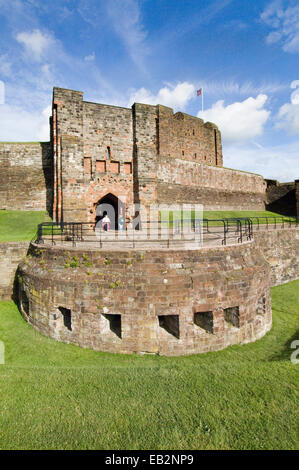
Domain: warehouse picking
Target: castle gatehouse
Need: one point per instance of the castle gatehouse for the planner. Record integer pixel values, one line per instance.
(167, 296)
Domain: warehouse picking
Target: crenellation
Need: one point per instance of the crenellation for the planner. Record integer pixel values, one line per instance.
(167, 301)
(146, 154)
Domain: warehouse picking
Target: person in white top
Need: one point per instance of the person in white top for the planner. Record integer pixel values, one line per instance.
(106, 223)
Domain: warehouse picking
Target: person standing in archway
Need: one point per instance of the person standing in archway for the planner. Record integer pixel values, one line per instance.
(106, 222)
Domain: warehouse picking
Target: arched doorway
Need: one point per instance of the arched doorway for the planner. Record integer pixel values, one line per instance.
(111, 205)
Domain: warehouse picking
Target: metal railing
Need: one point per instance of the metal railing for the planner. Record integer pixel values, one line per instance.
(174, 233)
(169, 234)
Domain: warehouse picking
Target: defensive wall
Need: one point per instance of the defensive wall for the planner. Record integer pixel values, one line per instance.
(26, 176)
(216, 188)
(145, 155)
(297, 196)
(11, 254)
(281, 197)
(169, 302)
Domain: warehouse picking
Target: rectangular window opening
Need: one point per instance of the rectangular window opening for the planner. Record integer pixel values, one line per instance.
(232, 316)
(204, 320)
(114, 323)
(67, 317)
(170, 323)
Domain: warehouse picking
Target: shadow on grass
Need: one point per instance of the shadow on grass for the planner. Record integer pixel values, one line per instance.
(285, 353)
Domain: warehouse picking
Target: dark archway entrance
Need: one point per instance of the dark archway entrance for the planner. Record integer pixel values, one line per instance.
(111, 205)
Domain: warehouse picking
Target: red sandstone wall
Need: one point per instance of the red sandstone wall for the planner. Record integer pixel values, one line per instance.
(280, 248)
(188, 137)
(297, 196)
(26, 176)
(281, 197)
(11, 254)
(214, 187)
(144, 288)
(90, 137)
(144, 155)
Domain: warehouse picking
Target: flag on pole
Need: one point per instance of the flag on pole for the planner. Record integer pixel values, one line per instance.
(199, 92)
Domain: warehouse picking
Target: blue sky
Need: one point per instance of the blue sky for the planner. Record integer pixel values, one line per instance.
(244, 54)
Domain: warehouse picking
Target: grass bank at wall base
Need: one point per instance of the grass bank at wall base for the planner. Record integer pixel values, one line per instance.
(59, 396)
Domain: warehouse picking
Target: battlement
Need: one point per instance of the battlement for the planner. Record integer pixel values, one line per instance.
(178, 135)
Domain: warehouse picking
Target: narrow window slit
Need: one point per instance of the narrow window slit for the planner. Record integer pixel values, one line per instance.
(67, 317)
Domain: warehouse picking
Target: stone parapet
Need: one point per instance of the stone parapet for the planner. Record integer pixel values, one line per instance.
(162, 302)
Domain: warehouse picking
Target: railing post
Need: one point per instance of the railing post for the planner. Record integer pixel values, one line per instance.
(241, 229)
(224, 232)
(40, 233)
(73, 235)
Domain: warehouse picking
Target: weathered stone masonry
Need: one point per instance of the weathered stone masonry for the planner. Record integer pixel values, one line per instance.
(26, 176)
(167, 302)
(171, 302)
(11, 254)
(145, 155)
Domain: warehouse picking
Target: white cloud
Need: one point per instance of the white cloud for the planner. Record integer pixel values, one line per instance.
(2, 92)
(173, 96)
(288, 115)
(238, 121)
(285, 24)
(279, 162)
(231, 87)
(90, 58)
(5, 66)
(127, 23)
(289, 118)
(18, 124)
(43, 133)
(35, 42)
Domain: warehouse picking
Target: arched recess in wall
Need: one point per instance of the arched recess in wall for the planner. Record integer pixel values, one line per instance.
(114, 208)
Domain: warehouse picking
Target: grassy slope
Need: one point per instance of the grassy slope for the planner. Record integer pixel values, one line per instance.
(212, 215)
(228, 214)
(58, 396)
(20, 225)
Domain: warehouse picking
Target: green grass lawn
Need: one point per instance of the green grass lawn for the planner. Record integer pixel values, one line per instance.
(58, 396)
(232, 214)
(212, 215)
(20, 225)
